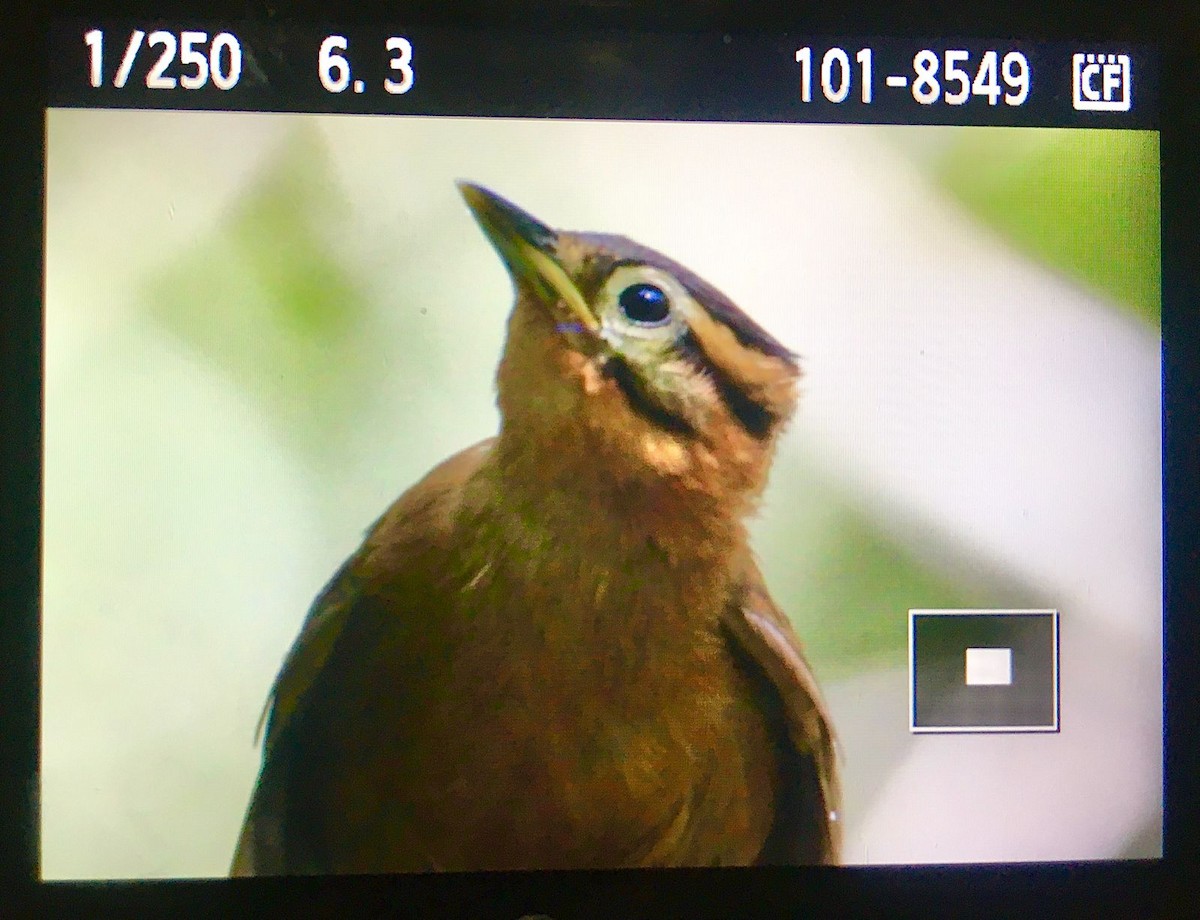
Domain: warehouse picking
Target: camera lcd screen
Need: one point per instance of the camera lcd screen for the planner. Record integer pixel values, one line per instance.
(262, 327)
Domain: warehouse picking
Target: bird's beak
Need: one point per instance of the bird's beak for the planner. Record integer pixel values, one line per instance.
(527, 247)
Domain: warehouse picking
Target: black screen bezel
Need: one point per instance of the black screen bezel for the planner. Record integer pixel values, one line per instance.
(1150, 888)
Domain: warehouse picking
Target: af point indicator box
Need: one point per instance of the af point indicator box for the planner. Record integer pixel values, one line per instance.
(978, 671)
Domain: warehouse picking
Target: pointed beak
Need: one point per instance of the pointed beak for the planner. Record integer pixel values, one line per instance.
(527, 247)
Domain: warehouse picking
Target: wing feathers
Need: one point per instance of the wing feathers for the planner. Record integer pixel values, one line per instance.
(767, 636)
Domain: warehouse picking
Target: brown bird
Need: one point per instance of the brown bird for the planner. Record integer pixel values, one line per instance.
(556, 650)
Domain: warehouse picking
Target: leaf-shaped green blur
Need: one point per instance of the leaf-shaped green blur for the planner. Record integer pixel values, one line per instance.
(265, 299)
(1083, 201)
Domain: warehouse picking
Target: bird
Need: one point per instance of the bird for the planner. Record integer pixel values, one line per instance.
(556, 650)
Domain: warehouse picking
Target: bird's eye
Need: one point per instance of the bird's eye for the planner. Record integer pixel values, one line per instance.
(642, 306)
(645, 304)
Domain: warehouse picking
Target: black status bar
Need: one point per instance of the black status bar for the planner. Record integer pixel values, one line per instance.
(772, 77)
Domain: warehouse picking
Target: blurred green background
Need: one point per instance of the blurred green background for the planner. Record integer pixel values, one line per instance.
(261, 329)
(1085, 202)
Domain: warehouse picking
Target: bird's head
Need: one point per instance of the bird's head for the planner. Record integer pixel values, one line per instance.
(623, 358)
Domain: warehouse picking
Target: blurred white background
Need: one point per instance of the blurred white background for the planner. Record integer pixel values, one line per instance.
(260, 329)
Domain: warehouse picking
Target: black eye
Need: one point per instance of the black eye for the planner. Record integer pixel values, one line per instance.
(645, 304)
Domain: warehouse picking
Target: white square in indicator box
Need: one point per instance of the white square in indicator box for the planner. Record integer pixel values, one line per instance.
(989, 667)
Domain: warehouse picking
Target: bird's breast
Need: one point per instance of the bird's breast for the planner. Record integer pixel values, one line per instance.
(609, 735)
(536, 689)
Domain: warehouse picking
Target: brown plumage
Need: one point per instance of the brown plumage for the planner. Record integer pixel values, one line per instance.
(555, 650)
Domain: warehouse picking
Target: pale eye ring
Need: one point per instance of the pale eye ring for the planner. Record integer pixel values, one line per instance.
(645, 304)
(642, 303)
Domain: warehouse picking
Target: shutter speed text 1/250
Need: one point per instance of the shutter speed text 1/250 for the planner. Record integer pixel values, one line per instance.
(951, 77)
(190, 60)
(201, 62)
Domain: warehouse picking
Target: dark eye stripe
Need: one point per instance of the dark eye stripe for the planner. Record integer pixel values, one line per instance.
(756, 418)
(618, 369)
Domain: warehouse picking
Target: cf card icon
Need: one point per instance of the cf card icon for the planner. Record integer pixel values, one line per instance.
(1101, 82)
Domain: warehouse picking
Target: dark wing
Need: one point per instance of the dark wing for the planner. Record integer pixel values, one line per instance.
(340, 610)
(807, 825)
(260, 847)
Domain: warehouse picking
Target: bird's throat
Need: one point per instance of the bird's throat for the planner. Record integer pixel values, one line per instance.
(566, 566)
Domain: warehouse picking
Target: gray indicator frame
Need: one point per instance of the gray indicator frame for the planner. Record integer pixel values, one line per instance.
(946, 725)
